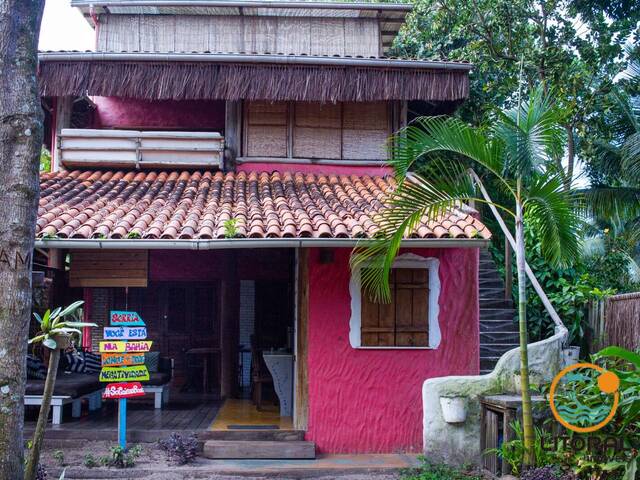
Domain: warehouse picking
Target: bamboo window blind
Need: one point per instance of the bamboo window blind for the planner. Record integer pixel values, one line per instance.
(313, 130)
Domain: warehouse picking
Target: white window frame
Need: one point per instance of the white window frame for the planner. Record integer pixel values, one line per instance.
(406, 260)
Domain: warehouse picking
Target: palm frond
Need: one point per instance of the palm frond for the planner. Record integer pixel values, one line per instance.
(532, 134)
(417, 200)
(554, 212)
(617, 204)
(427, 135)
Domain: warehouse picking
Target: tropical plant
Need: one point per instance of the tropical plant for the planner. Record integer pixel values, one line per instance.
(581, 401)
(518, 153)
(120, 457)
(55, 333)
(513, 451)
(180, 450)
(434, 471)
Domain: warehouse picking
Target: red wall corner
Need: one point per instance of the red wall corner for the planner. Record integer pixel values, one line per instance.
(369, 401)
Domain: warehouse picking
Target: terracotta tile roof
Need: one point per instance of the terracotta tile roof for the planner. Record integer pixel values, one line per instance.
(196, 205)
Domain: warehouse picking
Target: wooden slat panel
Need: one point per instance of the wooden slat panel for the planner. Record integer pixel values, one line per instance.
(369, 316)
(413, 319)
(157, 33)
(225, 34)
(260, 34)
(293, 35)
(124, 33)
(366, 130)
(327, 36)
(112, 268)
(366, 116)
(267, 129)
(361, 37)
(192, 31)
(316, 132)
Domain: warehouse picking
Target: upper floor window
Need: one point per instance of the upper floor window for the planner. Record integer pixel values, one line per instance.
(313, 130)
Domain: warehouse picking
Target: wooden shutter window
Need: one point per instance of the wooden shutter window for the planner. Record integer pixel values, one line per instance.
(404, 322)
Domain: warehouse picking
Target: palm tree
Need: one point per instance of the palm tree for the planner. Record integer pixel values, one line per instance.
(517, 152)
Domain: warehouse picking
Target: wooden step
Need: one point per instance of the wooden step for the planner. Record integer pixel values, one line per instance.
(273, 450)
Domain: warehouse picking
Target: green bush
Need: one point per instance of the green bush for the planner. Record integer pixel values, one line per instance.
(434, 471)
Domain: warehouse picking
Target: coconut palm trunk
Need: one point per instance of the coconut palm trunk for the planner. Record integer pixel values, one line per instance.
(527, 418)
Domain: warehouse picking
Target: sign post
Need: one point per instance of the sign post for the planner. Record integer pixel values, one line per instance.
(123, 363)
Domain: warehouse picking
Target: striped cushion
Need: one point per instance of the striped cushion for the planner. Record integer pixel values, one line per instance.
(35, 368)
(92, 362)
(75, 362)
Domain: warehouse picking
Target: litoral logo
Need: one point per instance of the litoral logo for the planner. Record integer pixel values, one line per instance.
(586, 418)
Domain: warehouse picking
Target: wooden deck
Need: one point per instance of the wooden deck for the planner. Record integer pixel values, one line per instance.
(186, 415)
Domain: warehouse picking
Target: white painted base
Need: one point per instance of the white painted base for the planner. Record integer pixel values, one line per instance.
(161, 394)
(94, 400)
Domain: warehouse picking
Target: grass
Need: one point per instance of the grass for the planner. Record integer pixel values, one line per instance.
(434, 471)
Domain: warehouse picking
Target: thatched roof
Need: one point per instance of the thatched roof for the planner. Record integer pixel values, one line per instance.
(253, 77)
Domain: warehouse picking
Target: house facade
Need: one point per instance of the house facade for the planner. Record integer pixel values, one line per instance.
(214, 163)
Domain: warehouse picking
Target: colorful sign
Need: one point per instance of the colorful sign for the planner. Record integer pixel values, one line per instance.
(119, 347)
(123, 390)
(125, 333)
(118, 366)
(138, 373)
(579, 417)
(122, 359)
(125, 319)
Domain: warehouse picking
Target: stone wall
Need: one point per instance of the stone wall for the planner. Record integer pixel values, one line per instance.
(460, 443)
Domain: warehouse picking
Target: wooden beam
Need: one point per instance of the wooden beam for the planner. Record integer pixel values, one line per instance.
(301, 418)
(63, 108)
(229, 312)
(232, 133)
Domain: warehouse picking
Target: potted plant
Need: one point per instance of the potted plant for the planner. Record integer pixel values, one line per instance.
(55, 334)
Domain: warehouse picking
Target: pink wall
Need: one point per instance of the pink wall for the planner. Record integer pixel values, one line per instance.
(370, 400)
(115, 112)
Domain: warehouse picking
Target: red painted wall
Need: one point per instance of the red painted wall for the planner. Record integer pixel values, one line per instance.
(209, 265)
(115, 112)
(370, 400)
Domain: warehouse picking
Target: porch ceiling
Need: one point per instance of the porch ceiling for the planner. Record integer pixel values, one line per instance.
(172, 205)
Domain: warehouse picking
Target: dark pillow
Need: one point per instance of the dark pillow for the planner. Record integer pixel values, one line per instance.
(152, 360)
(92, 362)
(35, 368)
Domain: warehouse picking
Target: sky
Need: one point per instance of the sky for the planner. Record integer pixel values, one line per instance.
(64, 28)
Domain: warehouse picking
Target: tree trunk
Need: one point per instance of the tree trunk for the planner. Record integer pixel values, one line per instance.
(527, 418)
(20, 144)
(38, 435)
(571, 156)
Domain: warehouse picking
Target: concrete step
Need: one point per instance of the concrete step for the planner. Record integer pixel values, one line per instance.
(273, 450)
(491, 283)
(497, 313)
(495, 349)
(495, 326)
(499, 336)
(496, 302)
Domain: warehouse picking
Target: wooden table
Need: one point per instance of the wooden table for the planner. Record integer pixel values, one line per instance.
(206, 353)
(497, 412)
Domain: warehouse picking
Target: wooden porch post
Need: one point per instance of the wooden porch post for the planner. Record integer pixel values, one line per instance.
(301, 419)
(229, 310)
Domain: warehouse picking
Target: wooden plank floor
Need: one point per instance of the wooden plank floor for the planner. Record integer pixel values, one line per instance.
(178, 415)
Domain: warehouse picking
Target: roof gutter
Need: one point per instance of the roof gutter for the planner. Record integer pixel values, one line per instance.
(404, 7)
(222, 244)
(244, 58)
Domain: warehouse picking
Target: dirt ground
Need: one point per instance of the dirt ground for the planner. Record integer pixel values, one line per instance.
(153, 465)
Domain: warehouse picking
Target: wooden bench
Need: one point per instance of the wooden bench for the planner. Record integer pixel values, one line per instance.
(57, 402)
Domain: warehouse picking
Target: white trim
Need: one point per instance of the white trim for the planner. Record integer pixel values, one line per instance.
(407, 260)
